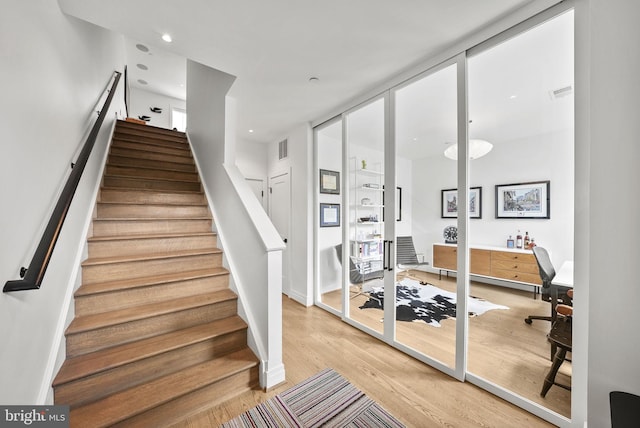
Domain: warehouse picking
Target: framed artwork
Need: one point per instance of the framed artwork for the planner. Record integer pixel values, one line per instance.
(329, 182)
(524, 200)
(449, 203)
(329, 215)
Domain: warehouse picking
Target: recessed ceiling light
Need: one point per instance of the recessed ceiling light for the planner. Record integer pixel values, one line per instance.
(142, 66)
(142, 82)
(313, 79)
(415, 138)
(167, 37)
(513, 97)
(250, 131)
(142, 47)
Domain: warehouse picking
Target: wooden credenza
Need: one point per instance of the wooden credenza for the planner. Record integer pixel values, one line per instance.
(492, 262)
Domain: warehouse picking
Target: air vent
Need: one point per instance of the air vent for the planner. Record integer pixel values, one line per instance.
(561, 92)
(282, 149)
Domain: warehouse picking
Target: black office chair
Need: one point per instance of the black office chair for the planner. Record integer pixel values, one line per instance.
(547, 273)
(625, 409)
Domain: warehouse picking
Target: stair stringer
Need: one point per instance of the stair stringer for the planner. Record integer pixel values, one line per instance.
(272, 371)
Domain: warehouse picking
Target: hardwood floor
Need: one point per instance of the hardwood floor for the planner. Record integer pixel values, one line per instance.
(502, 347)
(417, 394)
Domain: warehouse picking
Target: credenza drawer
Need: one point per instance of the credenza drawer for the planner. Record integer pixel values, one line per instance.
(515, 257)
(520, 266)
(513, 275)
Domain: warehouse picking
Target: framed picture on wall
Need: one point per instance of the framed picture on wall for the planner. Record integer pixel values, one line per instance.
(524, 200)
(329, 215)
(449, 203)
(329, 182)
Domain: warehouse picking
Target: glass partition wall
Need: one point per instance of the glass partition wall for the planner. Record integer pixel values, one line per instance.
(426, 124)
(462, 137)
(521, 102)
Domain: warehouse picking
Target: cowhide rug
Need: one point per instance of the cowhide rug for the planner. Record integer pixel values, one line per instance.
(425, 302)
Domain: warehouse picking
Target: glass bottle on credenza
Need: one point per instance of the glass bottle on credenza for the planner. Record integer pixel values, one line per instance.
(519, 240)
(526, 241)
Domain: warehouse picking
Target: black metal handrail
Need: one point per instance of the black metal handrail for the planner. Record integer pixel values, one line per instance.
(32, 276)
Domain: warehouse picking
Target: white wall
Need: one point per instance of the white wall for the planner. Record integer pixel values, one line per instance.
(54, 70)
(299, 247)
(329, 268)
(251, 159)
(544, 157)
(142, 101)
(607, 207)
(245, 233)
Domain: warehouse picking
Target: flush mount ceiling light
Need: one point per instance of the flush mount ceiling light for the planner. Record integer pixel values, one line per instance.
(314, 79)
(142, 82)
(142, 66)
(167, 37)
(142, 47)
(477, 149)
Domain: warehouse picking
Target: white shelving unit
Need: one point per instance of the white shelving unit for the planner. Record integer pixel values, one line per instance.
(366, 221)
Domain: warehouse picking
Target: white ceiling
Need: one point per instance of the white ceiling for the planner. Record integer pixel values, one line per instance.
(274, 47)
(510, 98)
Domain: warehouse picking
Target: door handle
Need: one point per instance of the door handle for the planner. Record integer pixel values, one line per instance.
(385, 253)
(390, 267)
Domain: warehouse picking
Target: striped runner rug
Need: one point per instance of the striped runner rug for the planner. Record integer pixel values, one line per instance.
(324, 400)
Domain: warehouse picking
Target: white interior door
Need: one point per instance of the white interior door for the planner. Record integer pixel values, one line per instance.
(280, 213)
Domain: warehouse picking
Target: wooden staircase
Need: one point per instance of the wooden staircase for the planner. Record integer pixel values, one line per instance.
(156, 336)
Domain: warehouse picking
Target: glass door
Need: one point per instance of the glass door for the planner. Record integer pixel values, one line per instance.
(364, 241)
(521, 110)
(426, 204)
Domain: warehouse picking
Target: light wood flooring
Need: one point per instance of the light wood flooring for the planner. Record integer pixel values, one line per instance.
(417, 394)
(502, 347)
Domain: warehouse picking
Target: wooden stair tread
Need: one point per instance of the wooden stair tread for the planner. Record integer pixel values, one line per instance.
(106, 359)
(142, 190)
(133, 401)
(151, 178)
(148, 236)
(121, 316)
(151, 218)
(150, 168)
(182, 146)
(104, 287)
(177, 157)
(156, 204)
(124, 123)
(155, 256)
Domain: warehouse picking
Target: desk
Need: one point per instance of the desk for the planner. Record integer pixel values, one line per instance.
(564, 276)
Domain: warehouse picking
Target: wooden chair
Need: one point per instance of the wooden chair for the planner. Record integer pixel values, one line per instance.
(560, 338)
